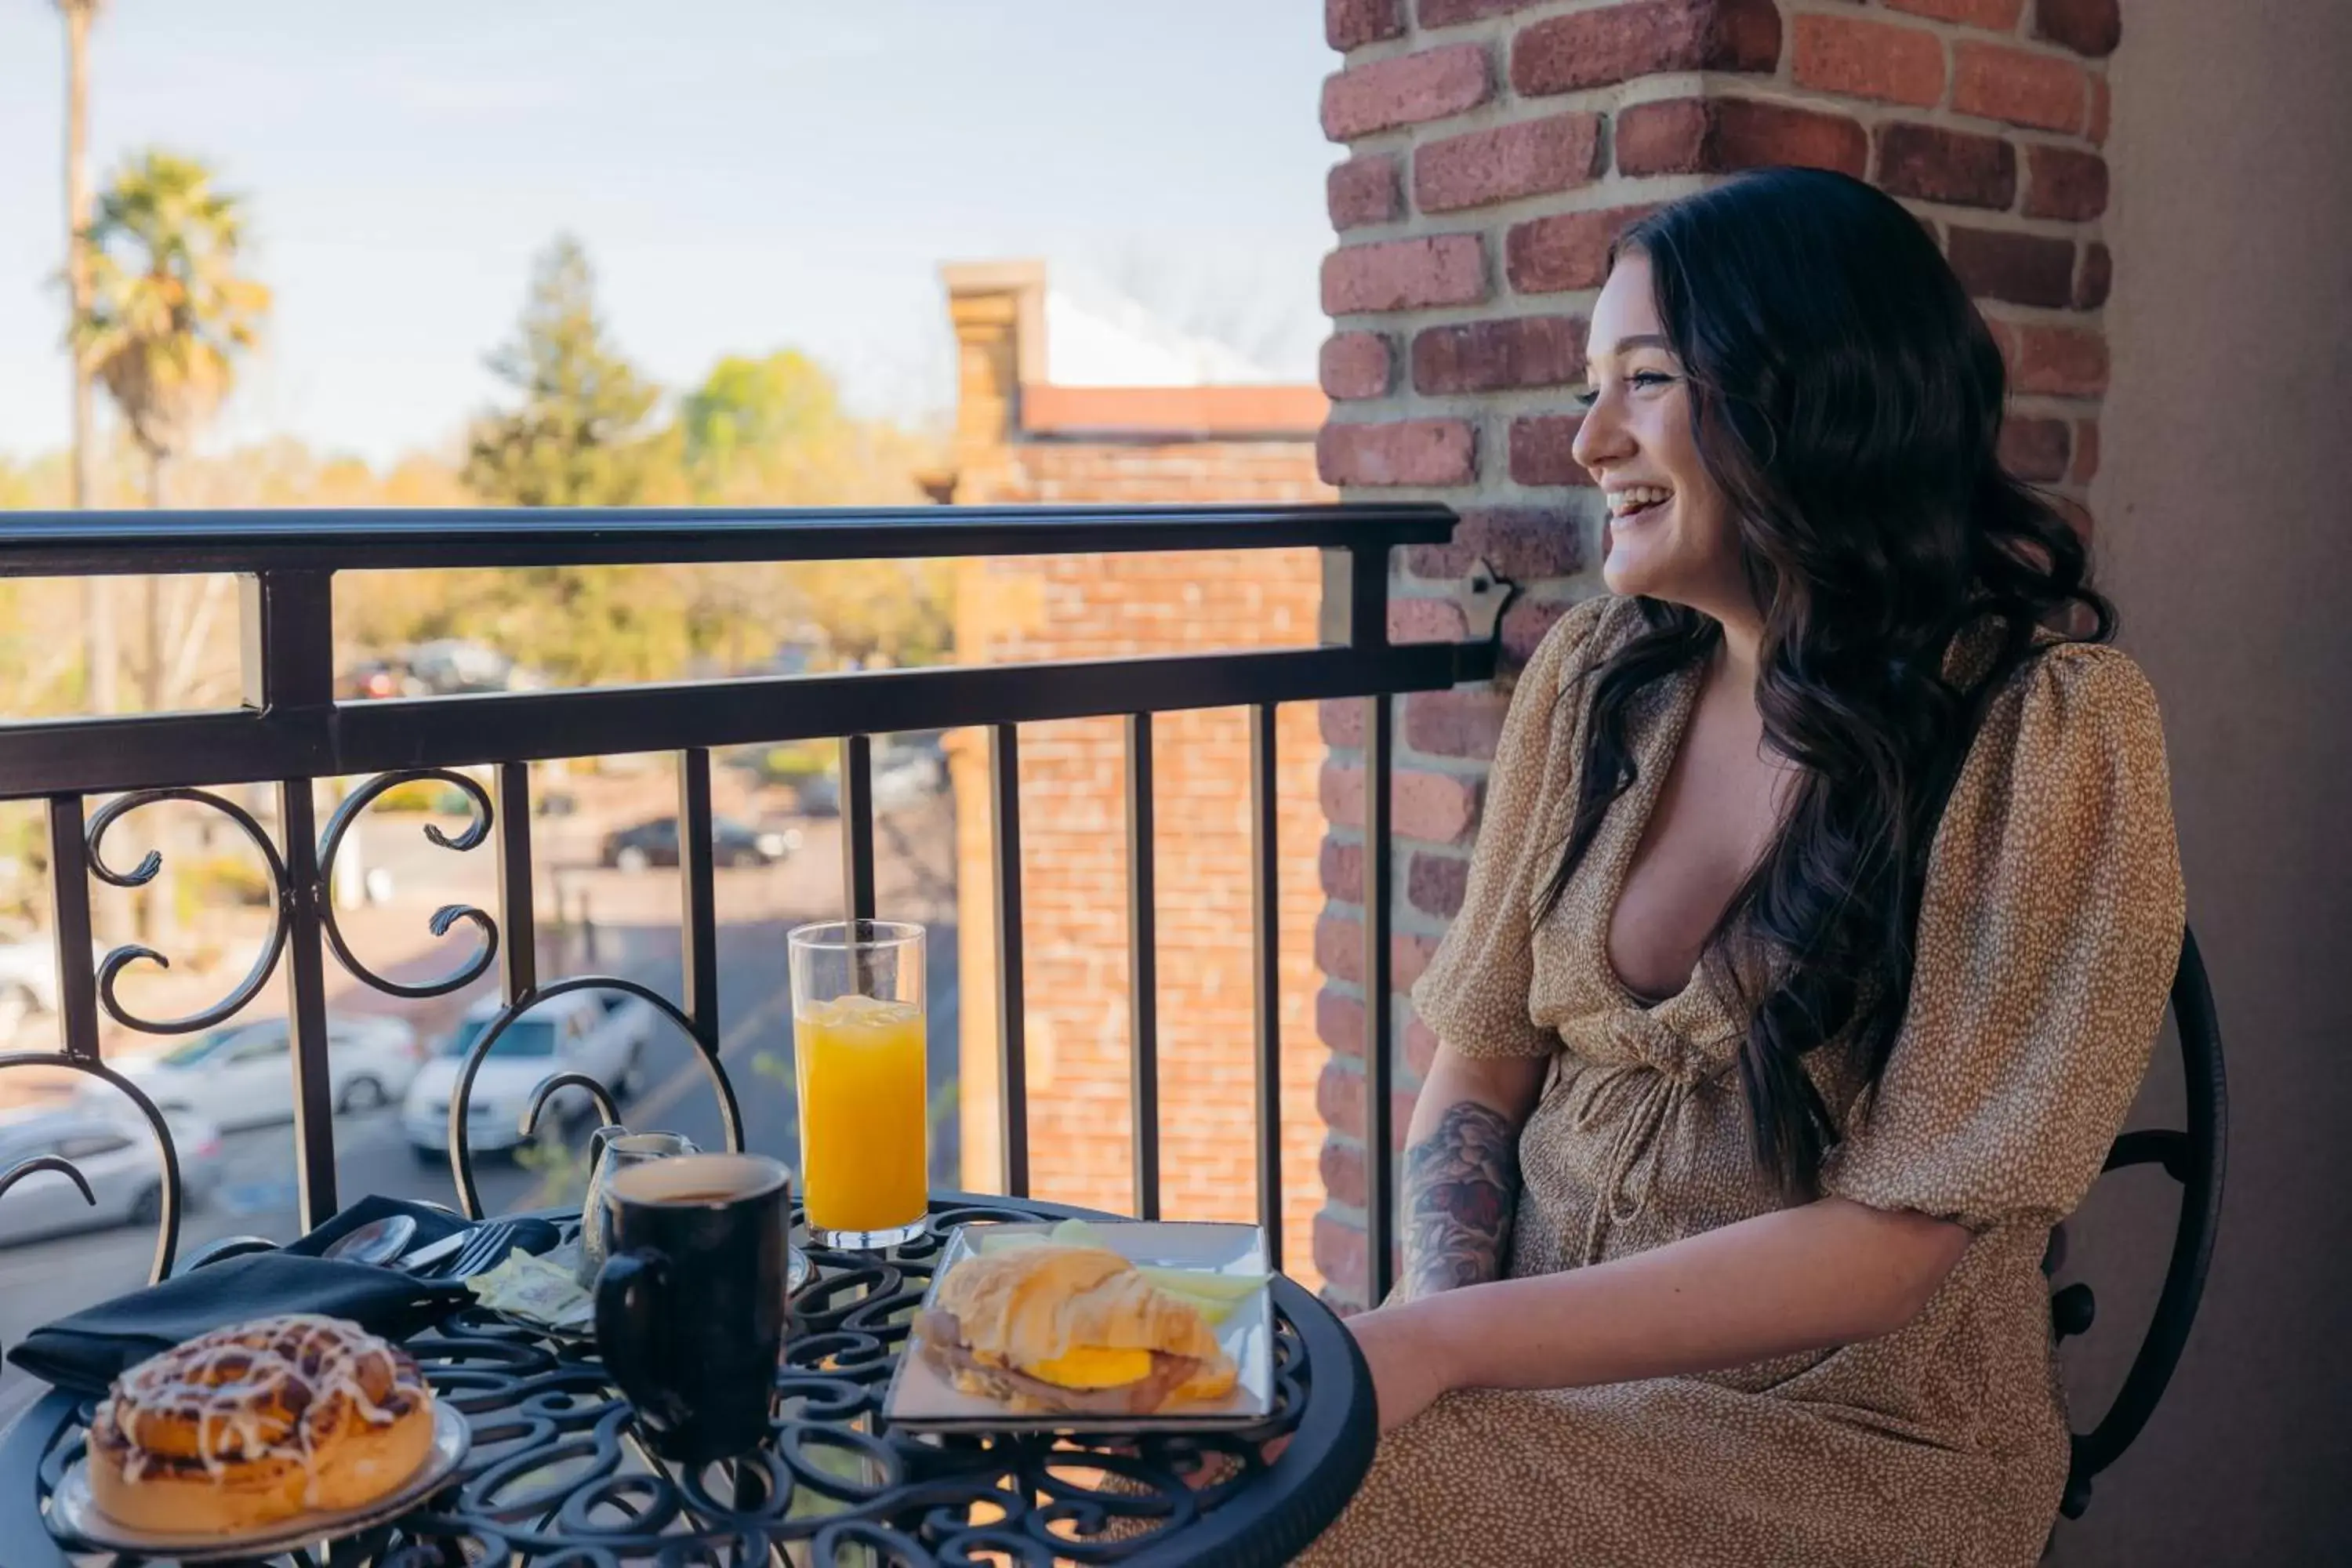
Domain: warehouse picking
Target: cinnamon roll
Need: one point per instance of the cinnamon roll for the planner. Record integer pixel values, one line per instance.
(256, 1422)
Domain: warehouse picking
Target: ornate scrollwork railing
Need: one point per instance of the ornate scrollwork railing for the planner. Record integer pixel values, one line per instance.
(265, 963)
(291, 730)
(171, 1193)
(476, 830)
(461, 1164)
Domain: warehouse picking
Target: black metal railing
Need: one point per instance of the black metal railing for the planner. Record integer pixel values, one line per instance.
(291, 730)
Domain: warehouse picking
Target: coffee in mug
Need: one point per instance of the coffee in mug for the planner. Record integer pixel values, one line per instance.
(690, 1304)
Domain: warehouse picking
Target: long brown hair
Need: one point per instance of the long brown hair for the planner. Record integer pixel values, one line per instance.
(1847, 397)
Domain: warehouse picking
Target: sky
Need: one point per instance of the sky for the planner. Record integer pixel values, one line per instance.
(747, 175)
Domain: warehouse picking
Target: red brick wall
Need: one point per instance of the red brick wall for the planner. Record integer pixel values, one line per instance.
(1073, 783)
(1494, 146)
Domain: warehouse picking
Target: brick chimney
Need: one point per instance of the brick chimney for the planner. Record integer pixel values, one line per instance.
(1023, 437)
(1496, 146)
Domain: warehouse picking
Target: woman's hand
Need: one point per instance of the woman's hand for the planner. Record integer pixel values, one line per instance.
(1409, 1369)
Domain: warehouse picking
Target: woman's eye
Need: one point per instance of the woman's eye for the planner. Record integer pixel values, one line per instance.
(1586, 398)
(1649, 378)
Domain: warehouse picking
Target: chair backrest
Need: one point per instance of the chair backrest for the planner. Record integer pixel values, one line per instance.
(2194, 1158)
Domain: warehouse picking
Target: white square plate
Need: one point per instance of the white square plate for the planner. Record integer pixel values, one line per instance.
(921, 1400)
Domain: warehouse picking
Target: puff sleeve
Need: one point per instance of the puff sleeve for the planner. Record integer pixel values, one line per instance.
(1477, 991)
(2049, 930)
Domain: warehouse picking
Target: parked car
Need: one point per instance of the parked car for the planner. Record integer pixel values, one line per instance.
(451, 665)
(242, 1075)
(379, 677)
(28, 978)
(655, 843)
(904, 775)
(819, 794)
(116, 1156)
(901, 778)
(603, 1034)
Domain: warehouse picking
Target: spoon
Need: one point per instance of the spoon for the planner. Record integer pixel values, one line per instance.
(377, 1241)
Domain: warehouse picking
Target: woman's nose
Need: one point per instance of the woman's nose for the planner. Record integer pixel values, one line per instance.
(1602, 438)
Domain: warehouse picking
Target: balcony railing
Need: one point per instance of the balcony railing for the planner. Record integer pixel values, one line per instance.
(291, 730)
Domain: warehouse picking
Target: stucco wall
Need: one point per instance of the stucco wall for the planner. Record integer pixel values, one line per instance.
(2224, 535)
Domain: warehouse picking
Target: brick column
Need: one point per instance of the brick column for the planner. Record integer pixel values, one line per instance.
(1494, 147)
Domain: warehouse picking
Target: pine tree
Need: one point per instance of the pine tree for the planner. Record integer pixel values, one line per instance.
(580, 436)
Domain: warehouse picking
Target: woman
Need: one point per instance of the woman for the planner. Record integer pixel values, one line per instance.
(1817, 933)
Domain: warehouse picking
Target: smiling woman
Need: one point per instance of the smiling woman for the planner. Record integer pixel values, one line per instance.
(1814, 944)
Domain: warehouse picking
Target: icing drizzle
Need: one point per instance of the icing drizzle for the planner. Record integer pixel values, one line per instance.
(264, 1390)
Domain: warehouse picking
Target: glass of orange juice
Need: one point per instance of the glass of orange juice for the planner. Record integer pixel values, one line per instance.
(857, 1044)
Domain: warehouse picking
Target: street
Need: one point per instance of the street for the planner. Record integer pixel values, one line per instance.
(41, 1280)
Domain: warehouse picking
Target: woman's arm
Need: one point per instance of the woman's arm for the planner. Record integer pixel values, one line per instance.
(1829, 1273)
(1462, 1168)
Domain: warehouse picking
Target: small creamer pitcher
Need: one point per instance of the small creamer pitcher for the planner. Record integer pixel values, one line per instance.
(611, 1151)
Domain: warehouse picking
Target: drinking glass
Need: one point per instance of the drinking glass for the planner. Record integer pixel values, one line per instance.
(857, 1044)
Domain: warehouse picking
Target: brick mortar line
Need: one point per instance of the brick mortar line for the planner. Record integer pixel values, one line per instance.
(2018, 315)
(2052, 405)
(1505, 26)
(1402, 326)
(1505, 403)
(1611, 188)
(2005, 220)
(1462, 316)
(1603, 191)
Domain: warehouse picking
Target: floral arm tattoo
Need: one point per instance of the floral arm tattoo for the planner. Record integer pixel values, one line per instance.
(1460, 1183)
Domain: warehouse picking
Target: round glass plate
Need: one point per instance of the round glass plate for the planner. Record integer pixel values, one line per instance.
(74, 1513)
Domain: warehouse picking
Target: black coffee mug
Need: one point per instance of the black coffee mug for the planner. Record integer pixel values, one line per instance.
(690, 1303)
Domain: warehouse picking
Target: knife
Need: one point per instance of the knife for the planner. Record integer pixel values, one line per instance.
(431, 1253)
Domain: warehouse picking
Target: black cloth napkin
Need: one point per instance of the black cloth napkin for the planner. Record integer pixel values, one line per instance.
(84, 1352)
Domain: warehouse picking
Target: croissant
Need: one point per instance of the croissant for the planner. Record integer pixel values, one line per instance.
(1070, 1330)
(256, 1422)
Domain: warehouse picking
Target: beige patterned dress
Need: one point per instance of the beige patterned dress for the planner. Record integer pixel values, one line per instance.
(2047, 940)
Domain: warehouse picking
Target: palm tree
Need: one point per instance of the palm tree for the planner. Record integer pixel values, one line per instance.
(97, 597)
(168, 314)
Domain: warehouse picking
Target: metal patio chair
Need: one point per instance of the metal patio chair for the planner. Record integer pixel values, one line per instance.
(2194, 1158)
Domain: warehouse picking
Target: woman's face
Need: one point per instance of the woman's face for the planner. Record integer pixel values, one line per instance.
(1670, 532)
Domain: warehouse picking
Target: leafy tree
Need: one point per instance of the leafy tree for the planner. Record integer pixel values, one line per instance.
(579, 437)
(773, 431)
(749, 421)
(878, 611)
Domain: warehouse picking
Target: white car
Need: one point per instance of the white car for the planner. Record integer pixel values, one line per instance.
(115, 1155)
(242, 1075)
(602, 1033)
(28, 978)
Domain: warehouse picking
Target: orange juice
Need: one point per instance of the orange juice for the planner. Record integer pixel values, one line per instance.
(865, 1113)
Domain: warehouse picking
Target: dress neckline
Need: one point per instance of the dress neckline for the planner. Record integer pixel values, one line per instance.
(1628, 822)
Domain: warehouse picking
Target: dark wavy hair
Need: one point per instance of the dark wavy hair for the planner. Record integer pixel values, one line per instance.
(1847, 397)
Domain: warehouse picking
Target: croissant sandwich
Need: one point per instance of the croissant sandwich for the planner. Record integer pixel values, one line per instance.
(1070, 1330)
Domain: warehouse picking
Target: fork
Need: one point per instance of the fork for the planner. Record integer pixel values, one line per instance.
(484, 1246)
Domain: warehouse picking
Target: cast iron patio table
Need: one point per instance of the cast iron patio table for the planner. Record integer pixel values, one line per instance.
(557, 1478)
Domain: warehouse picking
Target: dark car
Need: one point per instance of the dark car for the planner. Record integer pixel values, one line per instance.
(380, 678)
(732, 842)
(450, 667)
